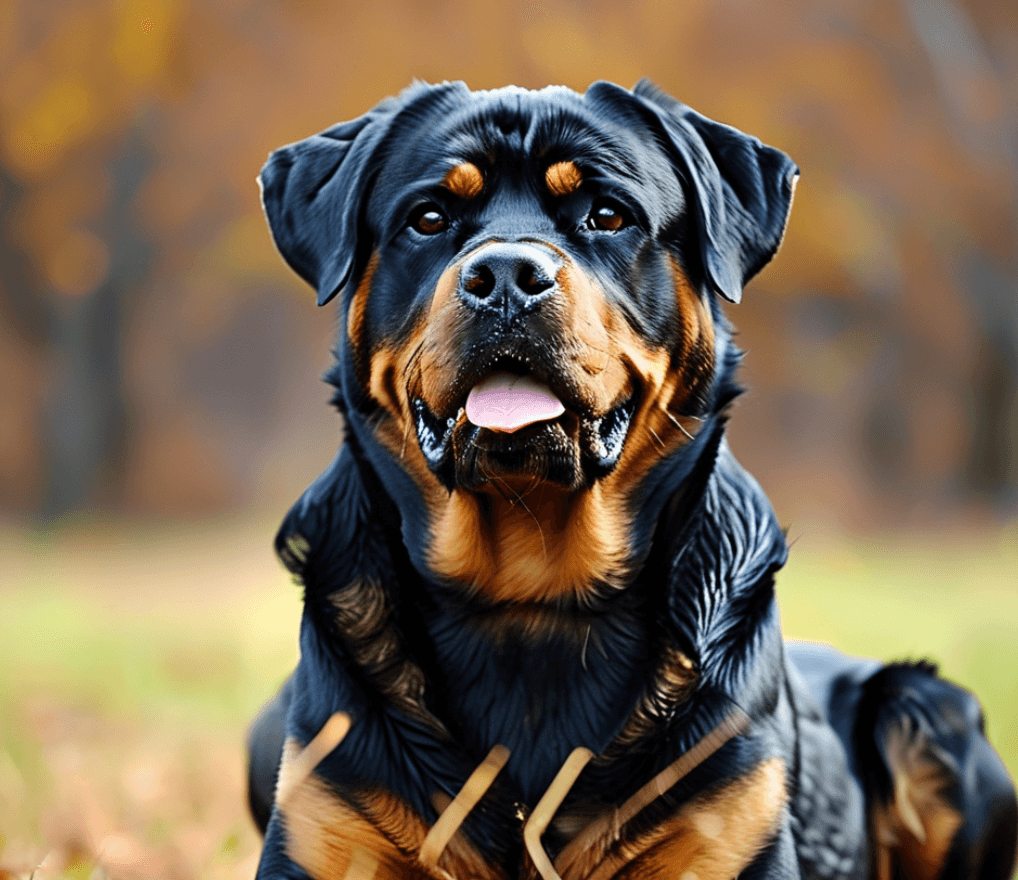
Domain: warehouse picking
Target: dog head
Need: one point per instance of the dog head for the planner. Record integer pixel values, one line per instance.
(529, 330)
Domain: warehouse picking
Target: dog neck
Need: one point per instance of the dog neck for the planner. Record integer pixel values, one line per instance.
(344, 540)
(537, 679)
(543, 546)
(542, 677)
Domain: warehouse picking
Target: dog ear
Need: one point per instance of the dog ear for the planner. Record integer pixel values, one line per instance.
(742, 190)
(313, 190)
(311, 194)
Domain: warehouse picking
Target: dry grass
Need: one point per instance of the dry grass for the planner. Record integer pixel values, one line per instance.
(132, 661)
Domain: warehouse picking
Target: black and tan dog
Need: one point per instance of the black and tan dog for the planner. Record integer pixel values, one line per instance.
(540, 635)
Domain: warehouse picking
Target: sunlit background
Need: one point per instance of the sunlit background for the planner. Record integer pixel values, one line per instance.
(160, 402)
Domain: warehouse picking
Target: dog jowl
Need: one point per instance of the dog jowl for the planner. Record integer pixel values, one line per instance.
(536, 581)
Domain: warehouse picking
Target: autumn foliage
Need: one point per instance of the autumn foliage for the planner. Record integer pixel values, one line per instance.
(156, 356)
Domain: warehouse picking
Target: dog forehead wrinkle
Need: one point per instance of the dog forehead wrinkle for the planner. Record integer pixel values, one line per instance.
(541, 129)
(422, 104)
(516, 213)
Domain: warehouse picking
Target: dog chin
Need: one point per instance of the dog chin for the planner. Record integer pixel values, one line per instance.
(545, 452)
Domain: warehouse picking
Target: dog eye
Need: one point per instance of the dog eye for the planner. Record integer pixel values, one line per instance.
(606, 216)
(428, 219)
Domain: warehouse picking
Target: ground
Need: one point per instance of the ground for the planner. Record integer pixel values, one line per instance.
(132, 660)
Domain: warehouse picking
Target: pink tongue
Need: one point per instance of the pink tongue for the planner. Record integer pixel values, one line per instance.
(506, 402)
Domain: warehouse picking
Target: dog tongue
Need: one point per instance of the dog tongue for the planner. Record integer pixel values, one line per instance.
(506, 402)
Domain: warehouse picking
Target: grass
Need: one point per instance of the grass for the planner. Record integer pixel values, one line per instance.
(133, 660)
(132, 663)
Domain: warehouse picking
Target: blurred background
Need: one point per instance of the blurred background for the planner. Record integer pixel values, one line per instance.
(160, 402)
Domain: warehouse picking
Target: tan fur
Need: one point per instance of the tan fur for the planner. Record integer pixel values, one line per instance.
(455, 811)
(373, 836)
(918, 825)
(534, 549)
(356, 318)
(714, 837)
(697, 338)
(563, 178)
(465, 180)
(592, 840)
(327, 837)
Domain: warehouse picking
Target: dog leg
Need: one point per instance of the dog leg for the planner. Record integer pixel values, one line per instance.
(265, 739)
(942, 805)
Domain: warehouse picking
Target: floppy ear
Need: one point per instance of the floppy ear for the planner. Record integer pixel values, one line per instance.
(742, 190)
(311, 193)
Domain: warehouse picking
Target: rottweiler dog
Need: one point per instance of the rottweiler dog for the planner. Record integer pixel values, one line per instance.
(540, 636)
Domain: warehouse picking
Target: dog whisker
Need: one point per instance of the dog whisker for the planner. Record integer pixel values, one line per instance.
(519, 500)
(679, 424)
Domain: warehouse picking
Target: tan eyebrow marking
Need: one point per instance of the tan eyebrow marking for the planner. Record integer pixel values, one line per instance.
(465, 180)
(563, 178)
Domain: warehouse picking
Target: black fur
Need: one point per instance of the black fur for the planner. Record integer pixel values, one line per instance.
(704, 544)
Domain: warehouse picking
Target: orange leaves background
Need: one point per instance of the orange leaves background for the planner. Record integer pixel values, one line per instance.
(157, 357)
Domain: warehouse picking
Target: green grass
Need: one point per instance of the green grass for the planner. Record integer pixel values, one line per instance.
(181, 639)
(132, 661)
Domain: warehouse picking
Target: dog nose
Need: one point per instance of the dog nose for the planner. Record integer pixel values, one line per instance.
(510, 278)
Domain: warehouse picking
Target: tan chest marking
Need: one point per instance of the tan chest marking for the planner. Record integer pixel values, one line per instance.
(714, 837)
(368, 835)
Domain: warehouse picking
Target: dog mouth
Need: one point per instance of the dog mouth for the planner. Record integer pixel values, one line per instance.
(513, 424)
(505, 402)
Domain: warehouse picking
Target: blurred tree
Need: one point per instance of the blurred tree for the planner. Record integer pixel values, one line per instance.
(25, 311)
(972, 84)
(157, 355)
(86, 420)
